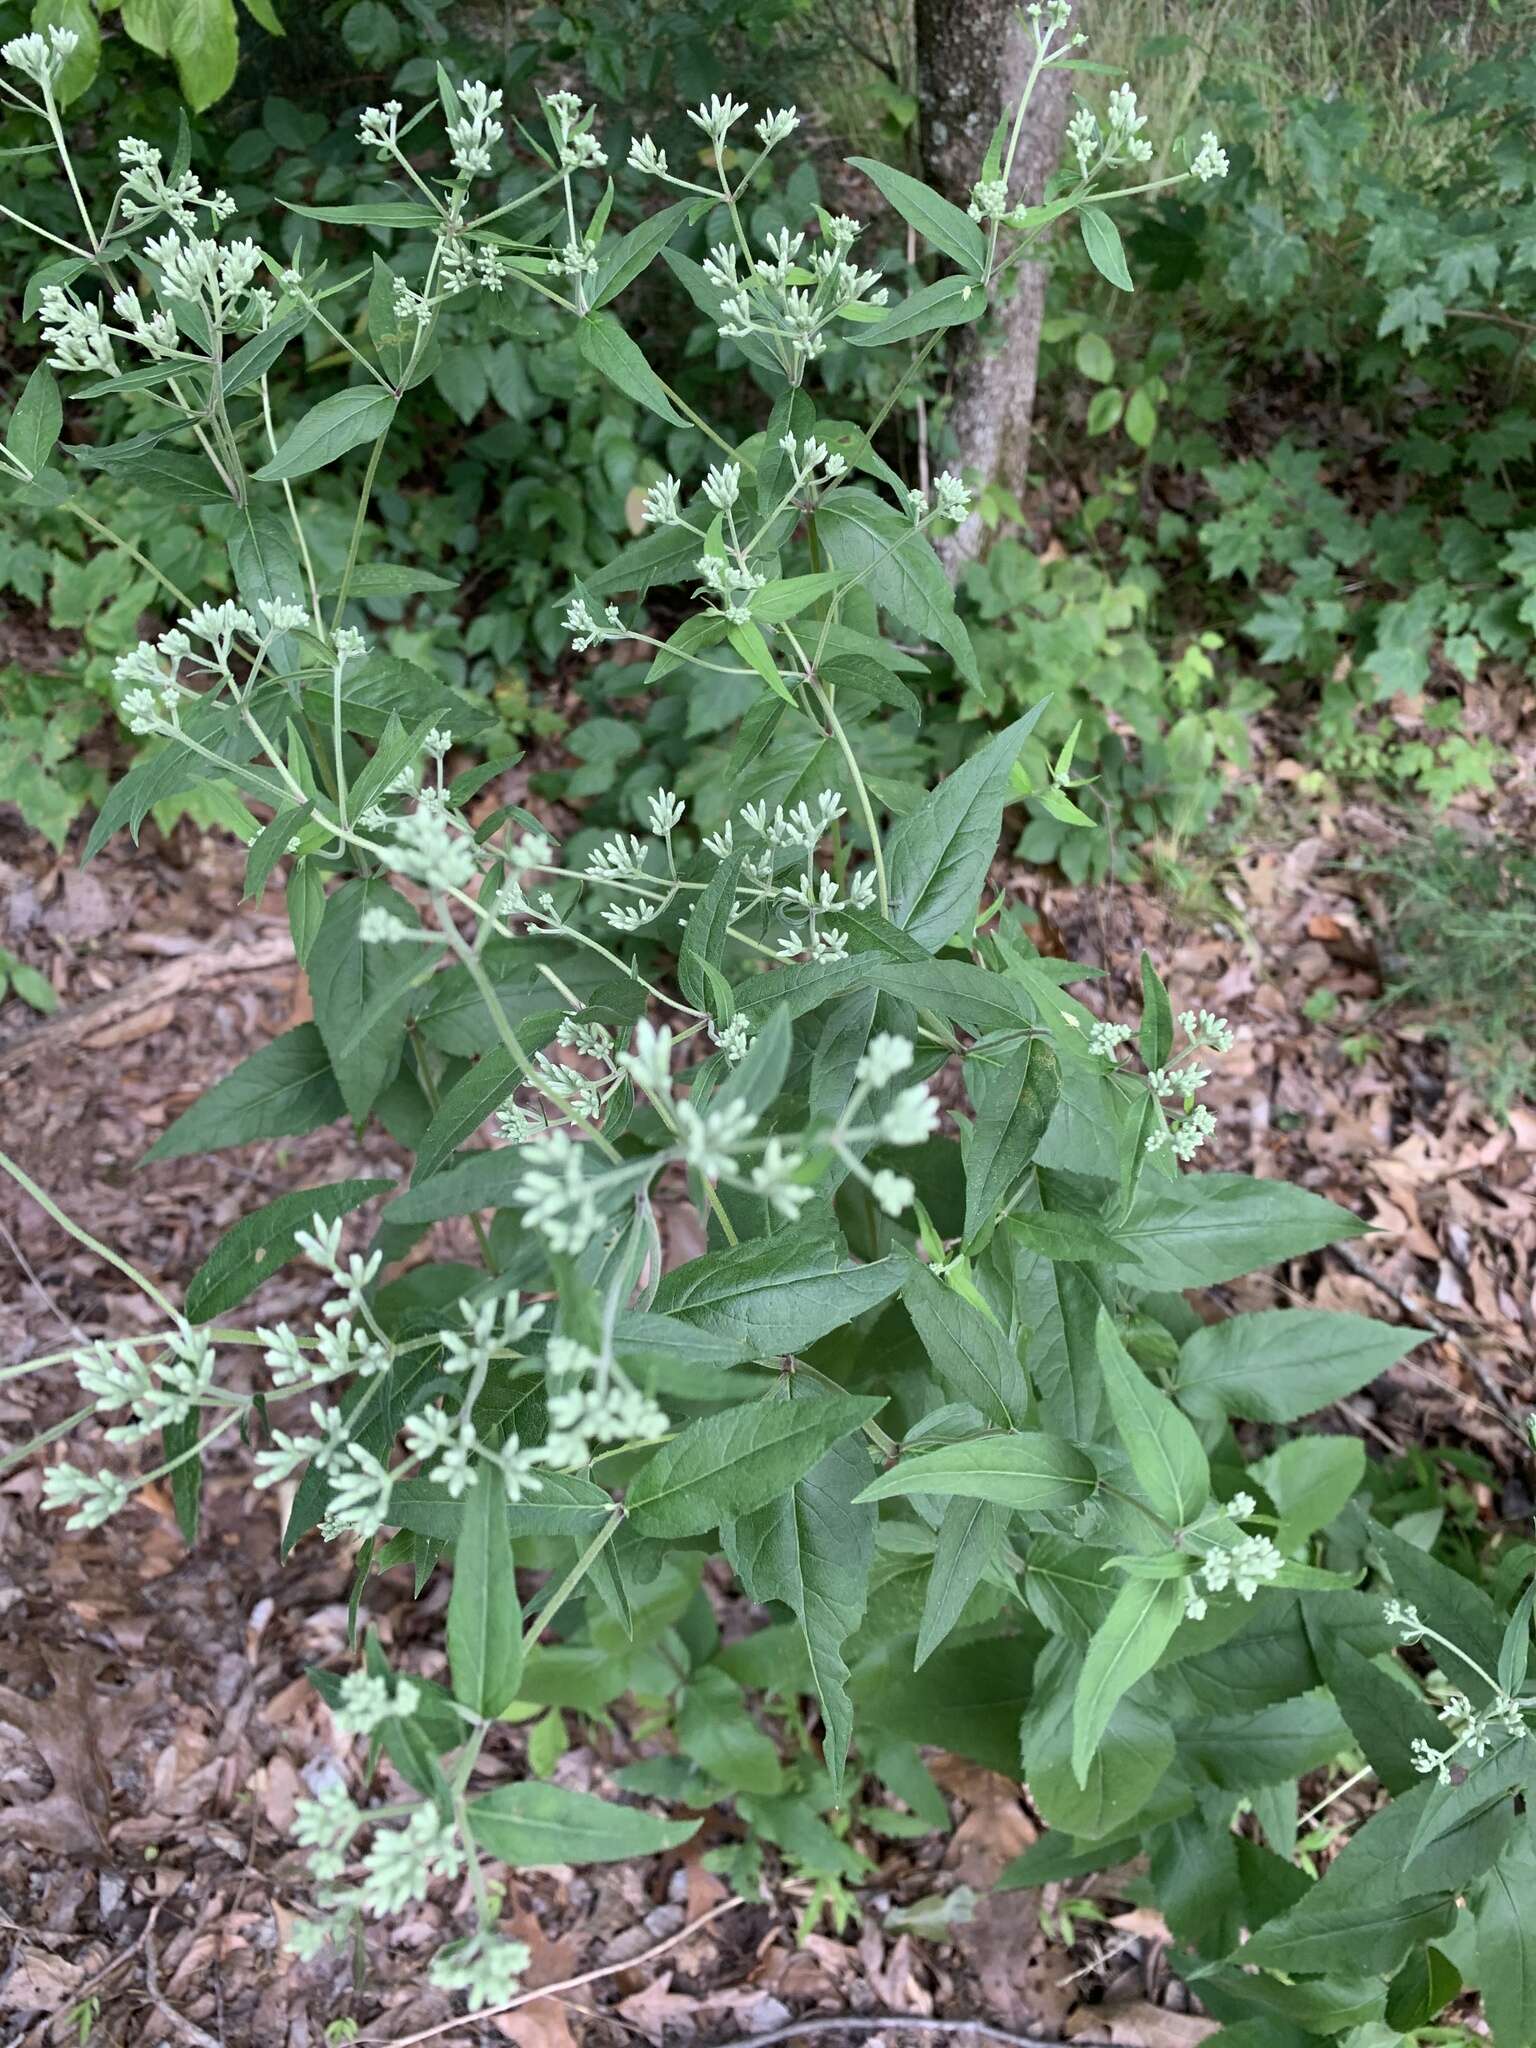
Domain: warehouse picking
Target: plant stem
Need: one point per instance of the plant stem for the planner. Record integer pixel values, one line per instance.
(571, 1581)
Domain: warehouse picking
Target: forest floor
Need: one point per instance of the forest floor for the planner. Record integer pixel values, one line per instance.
(156, 1727)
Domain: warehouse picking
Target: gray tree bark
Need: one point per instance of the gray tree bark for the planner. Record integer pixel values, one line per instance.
(973, 57)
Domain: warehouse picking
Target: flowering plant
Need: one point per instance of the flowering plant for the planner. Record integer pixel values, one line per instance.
(933, 1379)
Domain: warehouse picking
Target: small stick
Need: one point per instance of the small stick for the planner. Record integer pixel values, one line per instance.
(531, 1997)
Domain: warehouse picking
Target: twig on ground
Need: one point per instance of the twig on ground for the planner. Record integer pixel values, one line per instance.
(977, 2030)
(1485, 1376)
(205, 968)
(188, 2028)
(44, 2029)
(532, 1996)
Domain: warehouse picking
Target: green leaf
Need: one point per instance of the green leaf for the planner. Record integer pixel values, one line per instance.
(747, 641)
(305, 897)
(777, 1294)
(950, 303)
(34, 425)
(715, 1730)
(1156, 1017)
(1019, 1470)
(282, 1091)
(1015, 1098)
(205, 43)
(1386, 1716)
(1515, 1650)
(361, 992)
(969, 1702)
(702, 952)
(1276, 1365)
(621, 262)
(1131, 1638)
(971, 1535)
(1129, 1763)
(1094, 357)
(329, 430)
(1423, 1987)
(390, 579)
(967, 1350)
(895, 563)
(177, 1439)
(1271, 1746)
(263, 1241)
(255, 357)
(1209, 1227)
(465, 1107)
(532, 1826)
(1310, 1479)
(485, 1621)
(371, 213)
(1164, 1451)
(604, 344)
(1368, 1912)
(811, 1548)
(936, 219)
(789, 597)
(1506, 1945)
(1101, 238)
(722, 1467)
(1065, 1237)
(937, 856)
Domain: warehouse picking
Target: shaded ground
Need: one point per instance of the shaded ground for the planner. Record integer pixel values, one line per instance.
(155, 1725)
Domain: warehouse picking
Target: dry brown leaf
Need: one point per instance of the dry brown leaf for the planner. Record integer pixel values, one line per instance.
(1138, 2024)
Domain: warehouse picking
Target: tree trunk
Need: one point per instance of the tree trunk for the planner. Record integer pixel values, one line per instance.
(973, 57)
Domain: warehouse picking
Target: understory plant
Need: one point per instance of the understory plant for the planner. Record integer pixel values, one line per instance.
(931, 1392)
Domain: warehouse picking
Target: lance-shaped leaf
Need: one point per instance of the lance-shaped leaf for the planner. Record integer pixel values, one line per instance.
(1020, 1470)
(722, 1467)
(778, 1294)
(967, 1350)
(1164, 1451)
(485, 1621)
(811, 1548)
(1126, 1645)
(937, 856)
(1015, 1096)
(282, 1091)
(535, 1826)
(261, 1242)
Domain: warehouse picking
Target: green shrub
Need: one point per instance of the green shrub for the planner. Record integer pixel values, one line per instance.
(1459, 950)
(927, 1386)
(1332, 357)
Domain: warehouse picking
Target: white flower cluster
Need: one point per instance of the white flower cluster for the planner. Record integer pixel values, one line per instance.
(570, 123)
(474, 130)
(803, 902)
(151, 674)
(219, 278)
(159, 1392)
(951, 500)
(1474, 1728)
(41, 58)
(792, 304)
(400, 1863)
(790, 296)
(146, 191)
(1187, 1124)
(1243, 1563)
(588, 631)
